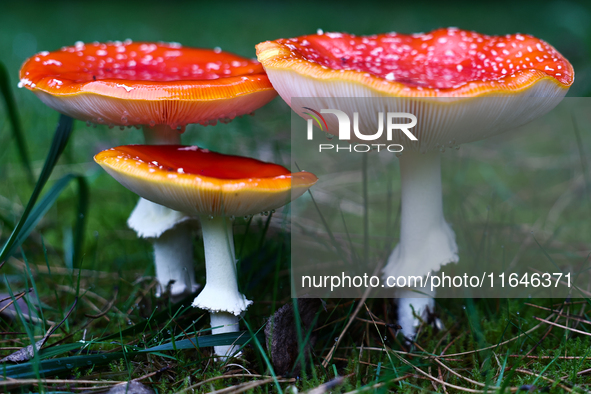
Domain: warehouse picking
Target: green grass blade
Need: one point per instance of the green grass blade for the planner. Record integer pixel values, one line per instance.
(81, 214)
(40, 210)
(264, 355)
(228, 338)
(265, 229)
(57, 366)
(60, 139)
(30, 277)
(54, 351)
(14, 119)
(582, 157)
(28, 329)
(339, 251)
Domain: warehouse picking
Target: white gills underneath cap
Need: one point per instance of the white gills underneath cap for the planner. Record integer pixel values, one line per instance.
(441, 121)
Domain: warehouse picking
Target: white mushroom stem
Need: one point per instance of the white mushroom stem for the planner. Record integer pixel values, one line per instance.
(162, 135)
(412, 309)
(173, 258)
(225, 322)
(426, 240)
(221, 296)
(168, 230)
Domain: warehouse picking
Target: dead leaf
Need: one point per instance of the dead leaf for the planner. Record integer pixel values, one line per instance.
(282, 335)
(27, 353)
(132, 387)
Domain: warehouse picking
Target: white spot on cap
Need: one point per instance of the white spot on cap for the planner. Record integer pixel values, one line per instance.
(26, 82)
(192, 148)
(128, 88)
(51, 61)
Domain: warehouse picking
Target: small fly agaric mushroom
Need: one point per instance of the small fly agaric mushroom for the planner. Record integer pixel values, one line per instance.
(162, 87)
(462, 86)
(214, 187)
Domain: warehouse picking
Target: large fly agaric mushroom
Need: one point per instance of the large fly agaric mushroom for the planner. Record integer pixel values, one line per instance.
(462, 86)
(162, 87)
(214, 187)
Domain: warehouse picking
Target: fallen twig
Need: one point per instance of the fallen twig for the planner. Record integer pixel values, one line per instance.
(561, 326)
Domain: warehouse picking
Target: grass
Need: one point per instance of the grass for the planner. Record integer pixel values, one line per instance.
(117, 330)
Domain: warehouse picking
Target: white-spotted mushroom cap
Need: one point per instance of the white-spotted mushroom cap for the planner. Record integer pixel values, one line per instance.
(200, 182)
(462, 86)
(142, 83)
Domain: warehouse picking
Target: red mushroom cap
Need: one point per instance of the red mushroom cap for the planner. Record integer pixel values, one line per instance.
(462, 86)
(132, 83)
(200, 182)
(443, 63)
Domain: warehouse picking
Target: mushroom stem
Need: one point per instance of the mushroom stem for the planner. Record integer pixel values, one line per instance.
(411, 309)
(173, 258)
(426, 240)
(225, 322)
(161, 135)
(172, 241)
(221, 295)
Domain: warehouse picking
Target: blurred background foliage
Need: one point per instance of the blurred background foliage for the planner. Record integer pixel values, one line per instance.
(27, 27)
